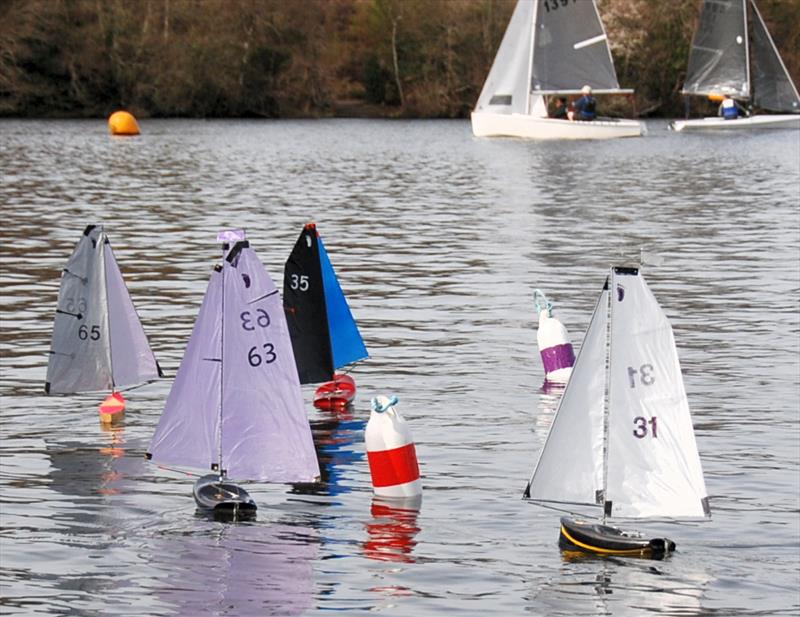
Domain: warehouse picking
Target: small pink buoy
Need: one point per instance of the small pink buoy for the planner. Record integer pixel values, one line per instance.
(391, 452)
(113, 408)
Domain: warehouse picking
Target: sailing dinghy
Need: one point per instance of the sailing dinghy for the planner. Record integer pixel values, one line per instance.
(324, 334)
(622, 437)
(98, 341)
(236, 406)
(724, 60)
(550, 48)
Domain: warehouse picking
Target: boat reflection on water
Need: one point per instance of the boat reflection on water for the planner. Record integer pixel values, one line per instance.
(237, 569)
(393, 529)
(622, 587)
(115, 449)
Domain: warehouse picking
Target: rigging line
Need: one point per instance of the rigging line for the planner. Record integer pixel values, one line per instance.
(76, 315)
(176, 470)
(108, 316)
(221, 364)
(84, 280)
(266, 295)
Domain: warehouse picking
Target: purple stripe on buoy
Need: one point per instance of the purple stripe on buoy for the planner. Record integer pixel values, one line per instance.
(558, 356)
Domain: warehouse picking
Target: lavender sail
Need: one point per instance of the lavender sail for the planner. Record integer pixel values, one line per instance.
(236, 407)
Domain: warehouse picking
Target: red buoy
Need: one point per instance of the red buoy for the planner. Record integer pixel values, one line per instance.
(113, 408)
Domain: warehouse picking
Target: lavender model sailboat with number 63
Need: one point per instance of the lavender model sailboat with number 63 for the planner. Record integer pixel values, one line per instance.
(236, 406)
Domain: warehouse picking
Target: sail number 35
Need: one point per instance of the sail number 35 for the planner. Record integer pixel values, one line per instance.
(299, 281)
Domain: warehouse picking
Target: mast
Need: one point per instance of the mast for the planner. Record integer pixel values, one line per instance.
(610, 284)
(747, 52)
(221, 365)
(529, 82)
(105, 245)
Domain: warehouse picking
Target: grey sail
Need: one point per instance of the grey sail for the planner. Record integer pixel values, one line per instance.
(772, 87)
(571, 49)
(718, 56)
(91, 349)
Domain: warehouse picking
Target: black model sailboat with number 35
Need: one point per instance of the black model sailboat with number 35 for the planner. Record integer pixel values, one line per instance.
(622, 438)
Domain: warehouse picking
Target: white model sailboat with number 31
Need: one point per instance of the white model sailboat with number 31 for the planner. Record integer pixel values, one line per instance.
(622, 437)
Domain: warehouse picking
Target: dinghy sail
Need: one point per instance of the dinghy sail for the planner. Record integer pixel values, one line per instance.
(551, 47)
(622, 437)
(725, 60)
(98, 342)
(236, 406)
(324, 334)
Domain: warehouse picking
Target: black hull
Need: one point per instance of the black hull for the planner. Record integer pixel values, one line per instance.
(597, 539)
(223, 499)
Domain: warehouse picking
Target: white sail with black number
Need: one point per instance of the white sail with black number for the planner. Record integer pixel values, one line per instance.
(653, 467)
(98, 342)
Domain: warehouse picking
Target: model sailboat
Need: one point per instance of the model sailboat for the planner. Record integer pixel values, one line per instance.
(324, 334)
(622, 437)
(236, 406)
(550, 48)
(724, 60)
(98, 341)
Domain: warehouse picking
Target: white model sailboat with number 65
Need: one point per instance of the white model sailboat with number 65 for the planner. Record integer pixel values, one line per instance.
(622, 437)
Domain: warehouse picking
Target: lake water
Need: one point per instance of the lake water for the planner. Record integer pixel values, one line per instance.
(439, 240)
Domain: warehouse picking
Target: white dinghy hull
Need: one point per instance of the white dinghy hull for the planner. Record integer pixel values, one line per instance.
(777, 121)
(487, 124)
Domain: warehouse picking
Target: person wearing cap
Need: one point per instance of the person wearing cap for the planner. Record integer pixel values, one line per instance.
(585, 107)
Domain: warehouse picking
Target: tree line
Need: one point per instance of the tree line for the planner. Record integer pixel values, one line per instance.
(310, 58)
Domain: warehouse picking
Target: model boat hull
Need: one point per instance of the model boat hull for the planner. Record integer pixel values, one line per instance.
(778, 121)
(220, 497)
(486, 124)
(594, 538)
(336, 394)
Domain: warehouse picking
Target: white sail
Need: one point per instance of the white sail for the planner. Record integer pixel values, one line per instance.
(653, 468)
(577, 428)
(507, 86)
(98, 342)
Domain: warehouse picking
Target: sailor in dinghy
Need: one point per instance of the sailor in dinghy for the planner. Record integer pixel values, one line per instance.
(98, 342)
(324, 334)
(236, 406)
(622, 437)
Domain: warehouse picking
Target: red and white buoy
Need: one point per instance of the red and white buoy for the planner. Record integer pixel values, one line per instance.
(391, 452)
(554, 345)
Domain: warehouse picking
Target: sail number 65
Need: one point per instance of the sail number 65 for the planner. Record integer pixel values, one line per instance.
(645, 374)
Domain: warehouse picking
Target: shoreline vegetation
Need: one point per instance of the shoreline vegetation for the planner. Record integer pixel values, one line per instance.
(318, 58)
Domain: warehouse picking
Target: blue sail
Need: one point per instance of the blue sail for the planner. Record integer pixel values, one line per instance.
(346, 342)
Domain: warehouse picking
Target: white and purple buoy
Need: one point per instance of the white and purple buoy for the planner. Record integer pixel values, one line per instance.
(554, 345)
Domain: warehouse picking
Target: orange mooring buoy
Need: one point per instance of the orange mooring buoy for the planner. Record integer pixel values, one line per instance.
(112, 409)
(122, 123)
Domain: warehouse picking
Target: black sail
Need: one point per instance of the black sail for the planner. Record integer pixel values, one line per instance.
(304, 302)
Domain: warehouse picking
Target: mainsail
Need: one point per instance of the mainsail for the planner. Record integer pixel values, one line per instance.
(653, 467)
(236, 406)
(718, 56)
(570, 48)
(98, 341)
